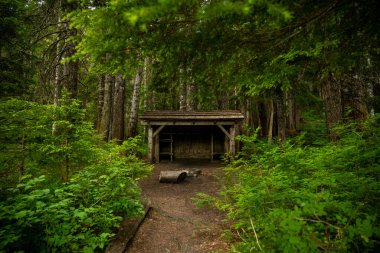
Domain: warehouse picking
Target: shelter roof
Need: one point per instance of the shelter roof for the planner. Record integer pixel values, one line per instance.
(221, 115)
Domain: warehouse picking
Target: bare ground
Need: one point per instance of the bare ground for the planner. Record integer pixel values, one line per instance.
(175, 223)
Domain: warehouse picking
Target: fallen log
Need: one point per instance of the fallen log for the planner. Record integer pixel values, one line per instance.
(127, 230)
(192, 172)
(172, 176)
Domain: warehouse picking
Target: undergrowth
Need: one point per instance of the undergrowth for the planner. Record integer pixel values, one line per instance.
(296, 198)
(65, 191)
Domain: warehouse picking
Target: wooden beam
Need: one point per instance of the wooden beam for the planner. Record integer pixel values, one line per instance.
(158, 130)
(150, 144)
(187, 123)
(224, 131)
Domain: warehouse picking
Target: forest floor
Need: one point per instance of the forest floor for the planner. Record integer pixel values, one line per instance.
(175, 223)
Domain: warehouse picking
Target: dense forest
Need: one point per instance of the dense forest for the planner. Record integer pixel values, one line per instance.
(76, 74)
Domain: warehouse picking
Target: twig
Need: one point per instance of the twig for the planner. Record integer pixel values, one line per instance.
(319, 221)
(254, 231)
(241, 236)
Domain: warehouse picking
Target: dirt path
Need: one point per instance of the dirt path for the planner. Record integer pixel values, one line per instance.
(175, 224)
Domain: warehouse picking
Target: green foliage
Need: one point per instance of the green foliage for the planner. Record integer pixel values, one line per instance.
(77, 216)
(204, 200)
(44, 213)
(15, 48)
(294, 198)
(43, 139)
(136, 146)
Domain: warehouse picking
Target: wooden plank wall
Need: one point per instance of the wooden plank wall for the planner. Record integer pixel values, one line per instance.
(192, 146)
(194, 142)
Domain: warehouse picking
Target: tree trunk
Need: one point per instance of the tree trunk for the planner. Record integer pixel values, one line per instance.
(182, 97)
(100, 103)
(262, 117)
(354, 93)
(244, 110)
(191, 97)
(147, 76)
(332, 99)
(182, 90)
(270, 123)
(222, 98)
(71, 72)
(132, 124)
(153, 105)
(58, 73)
(370, 95)
(281, 119)
(297, 116)
(117, 125)
(106, 117)
(291, 122)
(58, 68)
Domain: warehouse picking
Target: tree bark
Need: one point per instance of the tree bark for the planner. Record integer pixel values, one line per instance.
(354, 93)
(222, 98)
(332, 99)
(370, 95)
(191, 97)
(58, 73)
(281, 119)
(117, 125)
(182, 97)
(262, 116)
(291, 122)
(147, 76)
(106, 116)
(100, 103)
(182, 91)
(172, 176)
(270, 123)
(71, 69)
(132, 124)
(58, 68)
(244, 110)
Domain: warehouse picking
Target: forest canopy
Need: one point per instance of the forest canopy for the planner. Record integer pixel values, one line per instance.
(76, 74)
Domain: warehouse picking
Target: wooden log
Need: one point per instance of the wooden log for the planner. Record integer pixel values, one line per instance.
(172, 176)
(127, 230)
(192, 172)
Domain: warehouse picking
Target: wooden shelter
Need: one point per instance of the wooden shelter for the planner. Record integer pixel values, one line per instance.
(184, 135)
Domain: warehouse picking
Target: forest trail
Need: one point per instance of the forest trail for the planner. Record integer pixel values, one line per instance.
(175, 224)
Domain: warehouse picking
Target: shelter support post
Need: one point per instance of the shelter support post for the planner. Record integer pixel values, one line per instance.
(232, 147)
(212, 147)
(157, 148)
(230, 144)
(150, 144)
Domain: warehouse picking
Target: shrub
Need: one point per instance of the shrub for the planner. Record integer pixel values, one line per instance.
(42, 212)
(294, 198)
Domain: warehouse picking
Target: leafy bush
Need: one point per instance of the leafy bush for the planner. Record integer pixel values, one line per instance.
(43, 213)
(40, 139)
(294, 198)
